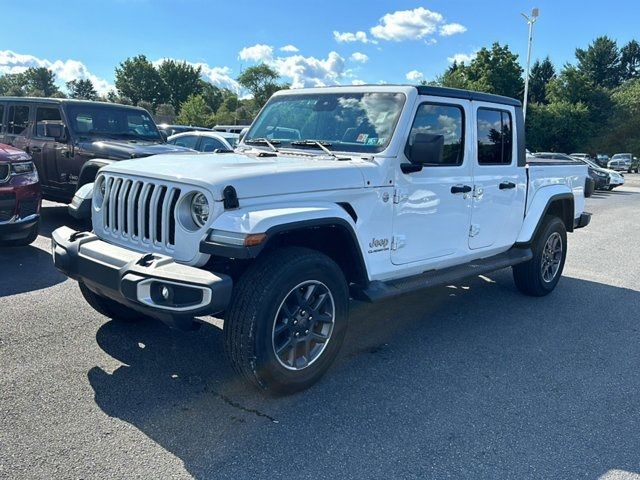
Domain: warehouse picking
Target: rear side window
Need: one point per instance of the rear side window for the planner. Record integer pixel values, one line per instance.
(18, 119)
(210, 144)
(445, 120)
(495, 137)
(188, 141)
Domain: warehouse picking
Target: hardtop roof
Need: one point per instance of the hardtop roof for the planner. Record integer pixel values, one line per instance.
(72, 101)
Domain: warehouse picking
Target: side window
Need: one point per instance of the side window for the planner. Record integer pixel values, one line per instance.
(210, 144)
(1, 118)
(495, 137)
(445, 120)
(18, 119)
(188, 141)
(44, 114)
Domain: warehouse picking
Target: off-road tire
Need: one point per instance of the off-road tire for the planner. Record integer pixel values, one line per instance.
(109, 308)
(258, 296)
(528, 276)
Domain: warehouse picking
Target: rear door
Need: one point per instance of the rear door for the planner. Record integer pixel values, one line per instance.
(17, 126)
(499, 183)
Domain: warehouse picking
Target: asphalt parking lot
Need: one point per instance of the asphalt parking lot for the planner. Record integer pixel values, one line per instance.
(469, 381)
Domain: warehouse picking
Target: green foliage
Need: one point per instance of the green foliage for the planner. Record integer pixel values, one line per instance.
(181, 80)
(148, 106)
(558, 127)
(621, 132)
(600, 62)
(82, 89)
(33, 82)
(630, 60)
(542, 72)
(195, 112)
(495, 71)
(262, 81)
(12, 84)
(137, 79)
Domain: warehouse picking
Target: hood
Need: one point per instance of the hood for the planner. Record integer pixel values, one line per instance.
(125, 149)
(12, 154)
(251, 176)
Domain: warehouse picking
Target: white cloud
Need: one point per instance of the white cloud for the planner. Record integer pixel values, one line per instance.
(311, 71)
(462, 57)
(218, 76)
(348, 37)
(407, 24)
(415, 76)
(358, 82)
(359, 57)
(452, 29)
(65, 70)
(256, 53)
(289, 49)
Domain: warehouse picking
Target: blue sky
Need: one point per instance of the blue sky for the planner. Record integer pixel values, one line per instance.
(88, 38)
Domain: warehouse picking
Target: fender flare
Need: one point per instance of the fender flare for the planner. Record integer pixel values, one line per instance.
(276, 220)
(90, 169)
(540, 205)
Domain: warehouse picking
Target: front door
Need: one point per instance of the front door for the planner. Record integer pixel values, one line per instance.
(431, 218)
(499, 182)
(47, 152)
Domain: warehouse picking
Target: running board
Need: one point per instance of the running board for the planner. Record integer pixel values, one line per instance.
(378, 290)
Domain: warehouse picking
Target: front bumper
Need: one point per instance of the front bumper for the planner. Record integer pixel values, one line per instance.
(18, 228)
(138, 280)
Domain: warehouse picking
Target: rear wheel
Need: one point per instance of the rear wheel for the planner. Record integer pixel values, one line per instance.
(109, 308)
(540, 275)
(287, 320)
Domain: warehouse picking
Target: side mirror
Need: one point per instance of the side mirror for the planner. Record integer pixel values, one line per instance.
(51, 129)
(164, 135)
(427, 148)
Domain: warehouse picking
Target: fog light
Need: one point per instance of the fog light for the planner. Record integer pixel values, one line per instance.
(165, 292)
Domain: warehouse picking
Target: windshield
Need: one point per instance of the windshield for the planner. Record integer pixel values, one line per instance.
(621, 156)
(95, 120)
(348, 122)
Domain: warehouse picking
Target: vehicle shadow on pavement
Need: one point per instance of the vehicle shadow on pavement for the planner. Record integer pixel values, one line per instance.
(15, 261)
(472, 380)
(55, 215)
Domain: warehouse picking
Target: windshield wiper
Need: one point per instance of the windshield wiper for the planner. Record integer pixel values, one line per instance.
(263, 141)
(314, 143)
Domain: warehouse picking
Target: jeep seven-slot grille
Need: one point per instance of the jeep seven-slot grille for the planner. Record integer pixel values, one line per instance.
(141, 211)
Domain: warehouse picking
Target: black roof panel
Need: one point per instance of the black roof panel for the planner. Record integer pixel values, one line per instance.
(467, 95)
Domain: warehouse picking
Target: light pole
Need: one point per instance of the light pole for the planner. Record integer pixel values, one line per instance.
(535, 13)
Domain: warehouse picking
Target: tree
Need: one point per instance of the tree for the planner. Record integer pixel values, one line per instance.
(600, 62)
(621, 132)
(261, 81)
(40, 82)
(137, 79)
(455, 76)
(195, 112)
(558, 127)
(630, 61)
(541, 74)
(82, 89)
(148, 106)
(181, 81)
(12, 84)
(165, 113)
(213, 95)
(496, 71)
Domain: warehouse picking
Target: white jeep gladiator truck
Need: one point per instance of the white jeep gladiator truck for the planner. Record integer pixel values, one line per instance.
(339, 193)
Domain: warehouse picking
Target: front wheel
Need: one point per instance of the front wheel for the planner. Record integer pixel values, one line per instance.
(287, 320)
(540, 275)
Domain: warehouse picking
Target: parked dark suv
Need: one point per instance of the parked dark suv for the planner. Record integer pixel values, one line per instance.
(69, 140)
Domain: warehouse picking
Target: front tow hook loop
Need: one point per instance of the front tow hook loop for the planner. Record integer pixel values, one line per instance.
(146, 260)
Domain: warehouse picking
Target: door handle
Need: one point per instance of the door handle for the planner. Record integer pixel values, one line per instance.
(460, 189)
(36, 149)
(506, 185)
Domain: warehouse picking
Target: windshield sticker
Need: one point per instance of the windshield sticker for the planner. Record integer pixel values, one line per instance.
(362, 137)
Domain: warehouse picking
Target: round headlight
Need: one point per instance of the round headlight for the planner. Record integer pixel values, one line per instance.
(99, 192)
(199, 209)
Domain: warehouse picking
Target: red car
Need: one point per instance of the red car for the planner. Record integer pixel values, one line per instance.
(20, 197)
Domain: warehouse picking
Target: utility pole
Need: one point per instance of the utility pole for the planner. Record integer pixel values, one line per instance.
(531, 19)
